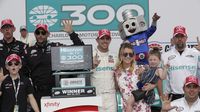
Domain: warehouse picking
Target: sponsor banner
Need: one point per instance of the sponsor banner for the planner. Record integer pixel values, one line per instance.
(166, 45)
(49, 104)
(86, 15)
(73, 92)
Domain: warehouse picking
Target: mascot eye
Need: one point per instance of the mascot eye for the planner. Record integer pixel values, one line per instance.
(133, 24)
(127, 26)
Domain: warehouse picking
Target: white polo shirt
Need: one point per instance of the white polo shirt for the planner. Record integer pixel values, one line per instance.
(183, 106)
(181, 66)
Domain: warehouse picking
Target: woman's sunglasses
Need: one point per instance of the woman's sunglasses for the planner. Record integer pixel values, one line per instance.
(128, 55)
(15, 63)
(38, 32)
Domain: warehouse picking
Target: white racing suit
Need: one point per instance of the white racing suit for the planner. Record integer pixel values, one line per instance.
(103, 80)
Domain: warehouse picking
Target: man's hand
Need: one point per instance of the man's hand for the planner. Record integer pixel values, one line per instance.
(155, 17)
(166, 103)
(198, 44)
(96, 61)
(67, 26)
(2, 77)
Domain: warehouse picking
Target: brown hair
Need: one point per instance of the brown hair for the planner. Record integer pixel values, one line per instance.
(155, 51)
(121, 49)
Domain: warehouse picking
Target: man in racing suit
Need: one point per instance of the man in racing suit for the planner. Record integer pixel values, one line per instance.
(103, 78)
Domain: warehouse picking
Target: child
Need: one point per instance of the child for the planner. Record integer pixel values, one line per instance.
(149, 79)
(15, 88)
(126, 78)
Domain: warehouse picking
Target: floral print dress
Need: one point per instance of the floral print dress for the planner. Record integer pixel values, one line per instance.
(126, 82)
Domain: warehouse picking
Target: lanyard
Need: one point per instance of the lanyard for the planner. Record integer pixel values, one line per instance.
(16, 89)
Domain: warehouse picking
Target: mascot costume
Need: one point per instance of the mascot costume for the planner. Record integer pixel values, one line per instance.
(134, 30)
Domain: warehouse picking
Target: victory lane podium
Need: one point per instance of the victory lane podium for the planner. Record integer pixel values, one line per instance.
(72, 66)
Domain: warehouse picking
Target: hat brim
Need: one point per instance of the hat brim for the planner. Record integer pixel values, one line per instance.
(179, 33)
(41, 28)
(7, 24)
(191, 83)
(103, 36)
(13, 60)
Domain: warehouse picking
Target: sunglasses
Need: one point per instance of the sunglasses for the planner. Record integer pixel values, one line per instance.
(38, 32)
(6, 26)
(16, 63)
(128, 55)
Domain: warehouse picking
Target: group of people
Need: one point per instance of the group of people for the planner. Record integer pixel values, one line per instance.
(26, 72)
(19, 60)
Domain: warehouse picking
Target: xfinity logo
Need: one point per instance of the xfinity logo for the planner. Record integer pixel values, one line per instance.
(52, 104)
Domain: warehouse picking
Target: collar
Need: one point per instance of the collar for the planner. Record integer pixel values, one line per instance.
(44, 44)
(195, 103)
(5, 42)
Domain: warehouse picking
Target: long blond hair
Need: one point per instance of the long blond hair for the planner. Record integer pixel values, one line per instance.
(119, 63)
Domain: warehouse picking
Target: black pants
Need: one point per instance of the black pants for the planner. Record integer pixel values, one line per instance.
(176, 96)
(155, 109)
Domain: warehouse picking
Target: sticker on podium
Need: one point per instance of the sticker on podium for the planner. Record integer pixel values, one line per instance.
(73, 92)
(72, 82)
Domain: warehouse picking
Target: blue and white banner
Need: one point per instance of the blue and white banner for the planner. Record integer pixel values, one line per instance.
(87, 15)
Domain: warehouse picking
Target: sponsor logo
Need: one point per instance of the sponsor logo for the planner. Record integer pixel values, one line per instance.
(104, 68)
(189, 56)
(44, 14)
(171, 57)
(51, 104)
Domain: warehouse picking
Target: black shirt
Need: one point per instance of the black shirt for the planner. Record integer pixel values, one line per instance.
(6, 49)
(38, 60)
(8, 94)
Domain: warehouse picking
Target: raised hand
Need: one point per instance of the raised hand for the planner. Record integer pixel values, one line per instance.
(96, 61)
(166, 103)
(198, 44)
(67, 26)
(2, 77)
(155, 17)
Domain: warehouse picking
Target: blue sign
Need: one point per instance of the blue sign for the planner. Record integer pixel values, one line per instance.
(87, 15)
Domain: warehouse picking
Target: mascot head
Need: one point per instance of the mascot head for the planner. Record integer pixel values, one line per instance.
(131, 24)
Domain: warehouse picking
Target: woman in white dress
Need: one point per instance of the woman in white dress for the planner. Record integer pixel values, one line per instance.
(126, 78)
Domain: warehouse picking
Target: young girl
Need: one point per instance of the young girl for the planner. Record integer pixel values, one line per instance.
(126, 78)
(148, 80)
(15, 89)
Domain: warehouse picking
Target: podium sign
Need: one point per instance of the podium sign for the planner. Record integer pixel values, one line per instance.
(71, 58)
(80, 104)
(73, 92)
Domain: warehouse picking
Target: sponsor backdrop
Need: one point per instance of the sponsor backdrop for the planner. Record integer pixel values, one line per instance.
(90, 16)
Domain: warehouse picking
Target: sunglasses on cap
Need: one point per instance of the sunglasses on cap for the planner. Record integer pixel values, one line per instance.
(128, 55)
(38, 32)
(13, 63)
